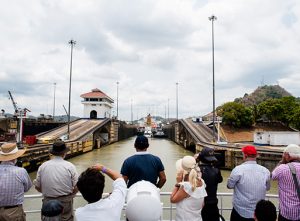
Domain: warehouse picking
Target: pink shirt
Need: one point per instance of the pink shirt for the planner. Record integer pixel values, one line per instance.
(289, 203)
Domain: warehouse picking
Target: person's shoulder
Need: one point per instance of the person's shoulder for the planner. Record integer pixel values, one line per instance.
(263, 169)
(19, 170)
(132, 157)
(282, 167)
(79, 212)
(154, 156)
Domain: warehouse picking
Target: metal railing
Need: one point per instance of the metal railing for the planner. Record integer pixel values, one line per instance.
(169, 209)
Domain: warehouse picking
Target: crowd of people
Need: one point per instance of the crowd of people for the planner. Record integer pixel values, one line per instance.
(194, 192)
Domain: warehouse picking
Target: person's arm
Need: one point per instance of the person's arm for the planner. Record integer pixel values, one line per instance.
(178, 194)
(161, 179)
(37, 181)
(124, 171)
(233, 179)
(27, 181)
(276, 173)
(219, 178)
(268, 182)
(109, 172)
(74, 177)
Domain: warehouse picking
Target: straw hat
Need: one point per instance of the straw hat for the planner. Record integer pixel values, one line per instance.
(10, 151)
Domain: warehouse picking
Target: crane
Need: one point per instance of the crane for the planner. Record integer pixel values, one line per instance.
(13, 102)
(19, 113)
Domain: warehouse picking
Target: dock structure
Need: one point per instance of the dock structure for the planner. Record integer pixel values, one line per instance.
(196, 135)
(85, 135)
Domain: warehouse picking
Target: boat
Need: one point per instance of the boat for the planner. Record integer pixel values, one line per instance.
(159, 134)
(148, 133)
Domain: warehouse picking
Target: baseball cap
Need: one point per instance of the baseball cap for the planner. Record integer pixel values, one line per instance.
(249, 150)
(207, 154)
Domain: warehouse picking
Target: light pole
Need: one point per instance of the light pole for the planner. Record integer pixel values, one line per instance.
(212, 19)
(177, 101)
(117, 99)
(168, 110)
(131, 112)
(72, 43)
(54, 85)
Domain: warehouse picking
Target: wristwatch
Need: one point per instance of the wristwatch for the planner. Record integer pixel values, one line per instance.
(177, 185)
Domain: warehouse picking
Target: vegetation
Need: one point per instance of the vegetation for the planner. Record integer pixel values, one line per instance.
(267, 104)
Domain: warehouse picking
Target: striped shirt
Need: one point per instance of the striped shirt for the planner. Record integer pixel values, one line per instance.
(250, 182)
(14, 181)
(289, 203)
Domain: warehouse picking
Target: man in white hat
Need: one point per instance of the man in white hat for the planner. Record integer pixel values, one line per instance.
(289, 201)
(14, 182)
(56, 179)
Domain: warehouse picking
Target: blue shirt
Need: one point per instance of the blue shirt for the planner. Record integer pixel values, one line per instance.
(14, 181)
(142, 166)
(250, 182)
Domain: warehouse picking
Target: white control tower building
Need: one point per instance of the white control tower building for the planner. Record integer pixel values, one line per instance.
(96, 104)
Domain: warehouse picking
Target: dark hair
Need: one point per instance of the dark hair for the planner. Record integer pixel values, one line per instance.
(141, 142)
(52, 208)
(91, 184)
(265, 211)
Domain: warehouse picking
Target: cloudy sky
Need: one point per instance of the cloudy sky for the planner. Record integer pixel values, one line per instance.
(147, 46)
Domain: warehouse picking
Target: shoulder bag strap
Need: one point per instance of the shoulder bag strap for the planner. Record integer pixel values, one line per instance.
(293, 171)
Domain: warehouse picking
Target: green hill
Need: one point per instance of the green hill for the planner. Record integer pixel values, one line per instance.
(262, 94)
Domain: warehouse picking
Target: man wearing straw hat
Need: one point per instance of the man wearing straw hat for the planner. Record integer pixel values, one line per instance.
(14, 181)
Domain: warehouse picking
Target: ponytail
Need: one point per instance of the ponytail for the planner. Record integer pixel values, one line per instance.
(193, 178)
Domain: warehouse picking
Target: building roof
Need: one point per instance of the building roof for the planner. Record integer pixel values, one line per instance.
(96, 93)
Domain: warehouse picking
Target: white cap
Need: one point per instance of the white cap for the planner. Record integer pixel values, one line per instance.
(293, 150)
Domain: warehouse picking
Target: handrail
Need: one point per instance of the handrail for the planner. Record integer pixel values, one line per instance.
(169, 206)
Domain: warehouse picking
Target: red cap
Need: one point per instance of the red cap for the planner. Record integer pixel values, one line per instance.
(249, 150)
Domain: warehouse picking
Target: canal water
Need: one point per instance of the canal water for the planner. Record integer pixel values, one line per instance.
(112, 156)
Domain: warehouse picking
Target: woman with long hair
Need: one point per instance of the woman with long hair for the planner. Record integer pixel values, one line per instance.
(189, 190)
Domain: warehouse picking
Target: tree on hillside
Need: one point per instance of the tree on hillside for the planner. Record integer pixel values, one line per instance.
(235, 114)
(278, 109)
(295, 118)
(271, 110)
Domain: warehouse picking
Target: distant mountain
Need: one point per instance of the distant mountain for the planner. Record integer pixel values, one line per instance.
(263, 93)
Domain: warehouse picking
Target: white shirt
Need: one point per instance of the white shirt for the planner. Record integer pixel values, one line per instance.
(190, 207)
(108, 209)
(56, 177)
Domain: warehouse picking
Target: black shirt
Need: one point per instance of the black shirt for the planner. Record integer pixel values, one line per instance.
(212, 177)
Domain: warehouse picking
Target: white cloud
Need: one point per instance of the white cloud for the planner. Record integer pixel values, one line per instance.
(147, 46)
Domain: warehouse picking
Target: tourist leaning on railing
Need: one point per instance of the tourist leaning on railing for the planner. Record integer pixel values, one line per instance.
(189, 191)
(288, 184)
(57, 178)
(212, 177)
(14, 181)
(143, 165)
(91, 184)
(250, 182)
